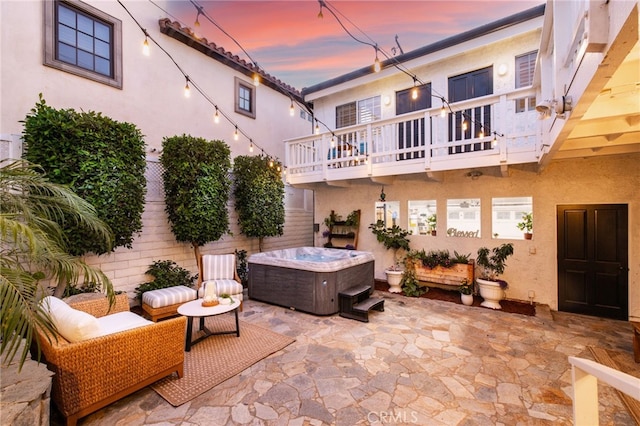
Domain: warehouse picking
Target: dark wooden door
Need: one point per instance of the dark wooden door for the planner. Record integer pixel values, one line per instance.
(593, 276)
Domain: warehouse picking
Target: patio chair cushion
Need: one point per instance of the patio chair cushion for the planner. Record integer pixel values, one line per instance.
(168, 296)
(121, 321)
(218, 267)
(230, 287)
(72, 324)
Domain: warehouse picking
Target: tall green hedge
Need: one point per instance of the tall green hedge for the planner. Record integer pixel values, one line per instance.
(101, 160)
(259, 197)
(196, 188)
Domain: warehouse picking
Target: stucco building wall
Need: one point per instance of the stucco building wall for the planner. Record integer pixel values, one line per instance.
(605, 180)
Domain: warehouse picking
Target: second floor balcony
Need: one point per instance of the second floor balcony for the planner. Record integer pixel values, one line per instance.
(491, 131)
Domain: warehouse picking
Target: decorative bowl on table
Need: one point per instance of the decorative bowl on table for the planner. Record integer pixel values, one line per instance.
(225, 300)
(208, 302)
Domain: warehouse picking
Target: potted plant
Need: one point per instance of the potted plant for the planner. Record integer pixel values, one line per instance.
(466, 292)
(394, 238)
(492, 264)
(432, 222)
(526, 225)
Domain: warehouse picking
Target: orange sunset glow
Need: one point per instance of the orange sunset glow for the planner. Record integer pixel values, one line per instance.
(288, 40)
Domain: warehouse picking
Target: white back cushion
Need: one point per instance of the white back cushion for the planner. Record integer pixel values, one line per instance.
(72, 324)
(218, 266)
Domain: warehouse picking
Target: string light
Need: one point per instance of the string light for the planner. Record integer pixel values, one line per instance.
(256, 80)
(251, 147)
(481, 135)
(187, 89)
(216, 116)
(414, 93)
(145, 47)
(292, 109)
(317, 129)
(236, 135)
(443, 110)
(376, 63)
(270, 163)
(320, 15)
(464, 124)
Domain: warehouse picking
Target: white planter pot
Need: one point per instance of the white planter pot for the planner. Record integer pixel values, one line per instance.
(393, 279)
(467, 299)
(491, 292)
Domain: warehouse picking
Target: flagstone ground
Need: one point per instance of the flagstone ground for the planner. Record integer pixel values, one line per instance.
(421, 361)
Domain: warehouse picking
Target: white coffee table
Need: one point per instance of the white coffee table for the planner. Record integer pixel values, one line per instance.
(195, 309)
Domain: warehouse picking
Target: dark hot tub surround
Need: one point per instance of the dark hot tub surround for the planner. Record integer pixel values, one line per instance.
(308, 278)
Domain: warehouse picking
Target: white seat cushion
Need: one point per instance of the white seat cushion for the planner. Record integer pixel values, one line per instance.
(121, 321)
(230, 287)
(72, 324)
(168, 296)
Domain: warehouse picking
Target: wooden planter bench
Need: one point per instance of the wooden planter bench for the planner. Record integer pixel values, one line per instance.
(445, 277)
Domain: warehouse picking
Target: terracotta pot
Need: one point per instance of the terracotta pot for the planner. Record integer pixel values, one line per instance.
(528, 235)
(393, 279)
(491, 292)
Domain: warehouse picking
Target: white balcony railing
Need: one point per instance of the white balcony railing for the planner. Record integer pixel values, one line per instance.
(420, 142)
(584, 377)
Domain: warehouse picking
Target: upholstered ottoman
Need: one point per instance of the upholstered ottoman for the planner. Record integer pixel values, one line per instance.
(164, 302)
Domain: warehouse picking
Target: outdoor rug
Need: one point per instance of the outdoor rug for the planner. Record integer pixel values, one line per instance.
(621, 361)
(218, 358)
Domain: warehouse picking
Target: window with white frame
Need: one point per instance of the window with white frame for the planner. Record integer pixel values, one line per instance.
(245, 102)
(362, 111)
(525, 65)
(83, 40)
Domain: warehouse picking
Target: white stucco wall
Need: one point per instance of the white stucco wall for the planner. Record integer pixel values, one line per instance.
(153, 99)
(606, 180)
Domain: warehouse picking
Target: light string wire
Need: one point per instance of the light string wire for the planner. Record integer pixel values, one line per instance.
(201, 11)
(394, 61)
(189, 80)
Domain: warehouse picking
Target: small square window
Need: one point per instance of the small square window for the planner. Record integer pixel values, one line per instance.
(82, 40)
(245, 102)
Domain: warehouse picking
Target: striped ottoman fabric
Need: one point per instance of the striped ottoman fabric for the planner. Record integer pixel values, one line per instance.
(168, 296)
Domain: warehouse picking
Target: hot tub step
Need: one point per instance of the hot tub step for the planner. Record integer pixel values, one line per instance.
(355, 303)
(373, 303)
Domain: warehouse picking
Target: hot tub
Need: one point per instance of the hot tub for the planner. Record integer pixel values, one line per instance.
(308, 278)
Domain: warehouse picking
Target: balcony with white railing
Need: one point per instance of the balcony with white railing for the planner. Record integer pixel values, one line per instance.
(420, 142)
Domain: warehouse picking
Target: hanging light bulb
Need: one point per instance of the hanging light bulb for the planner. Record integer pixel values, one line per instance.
(256, 80)
(197, 23)
(251, 147)
(494, 142)
(216, 116)
(270, 163)
(320, 16)
(481, 135)
(236, 135)
(333, 142)
(292, 109)
(443, 110)
(187, 89)
(376, 63)
(414, 93)
(284, 171)
(317, 129)
(145, 47)
(279, 169)
(464, 125)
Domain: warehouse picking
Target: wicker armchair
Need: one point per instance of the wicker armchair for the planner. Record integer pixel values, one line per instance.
(94, 373)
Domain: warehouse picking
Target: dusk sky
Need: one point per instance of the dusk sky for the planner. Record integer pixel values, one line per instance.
(289, 41)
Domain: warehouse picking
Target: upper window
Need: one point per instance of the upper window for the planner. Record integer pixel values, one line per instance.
(471, 85)
(363, 111)
(245, 98)
(84, 41)
(405, 101)
(525, 65)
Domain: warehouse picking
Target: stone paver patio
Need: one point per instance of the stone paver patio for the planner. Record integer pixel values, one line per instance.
(421, 361)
